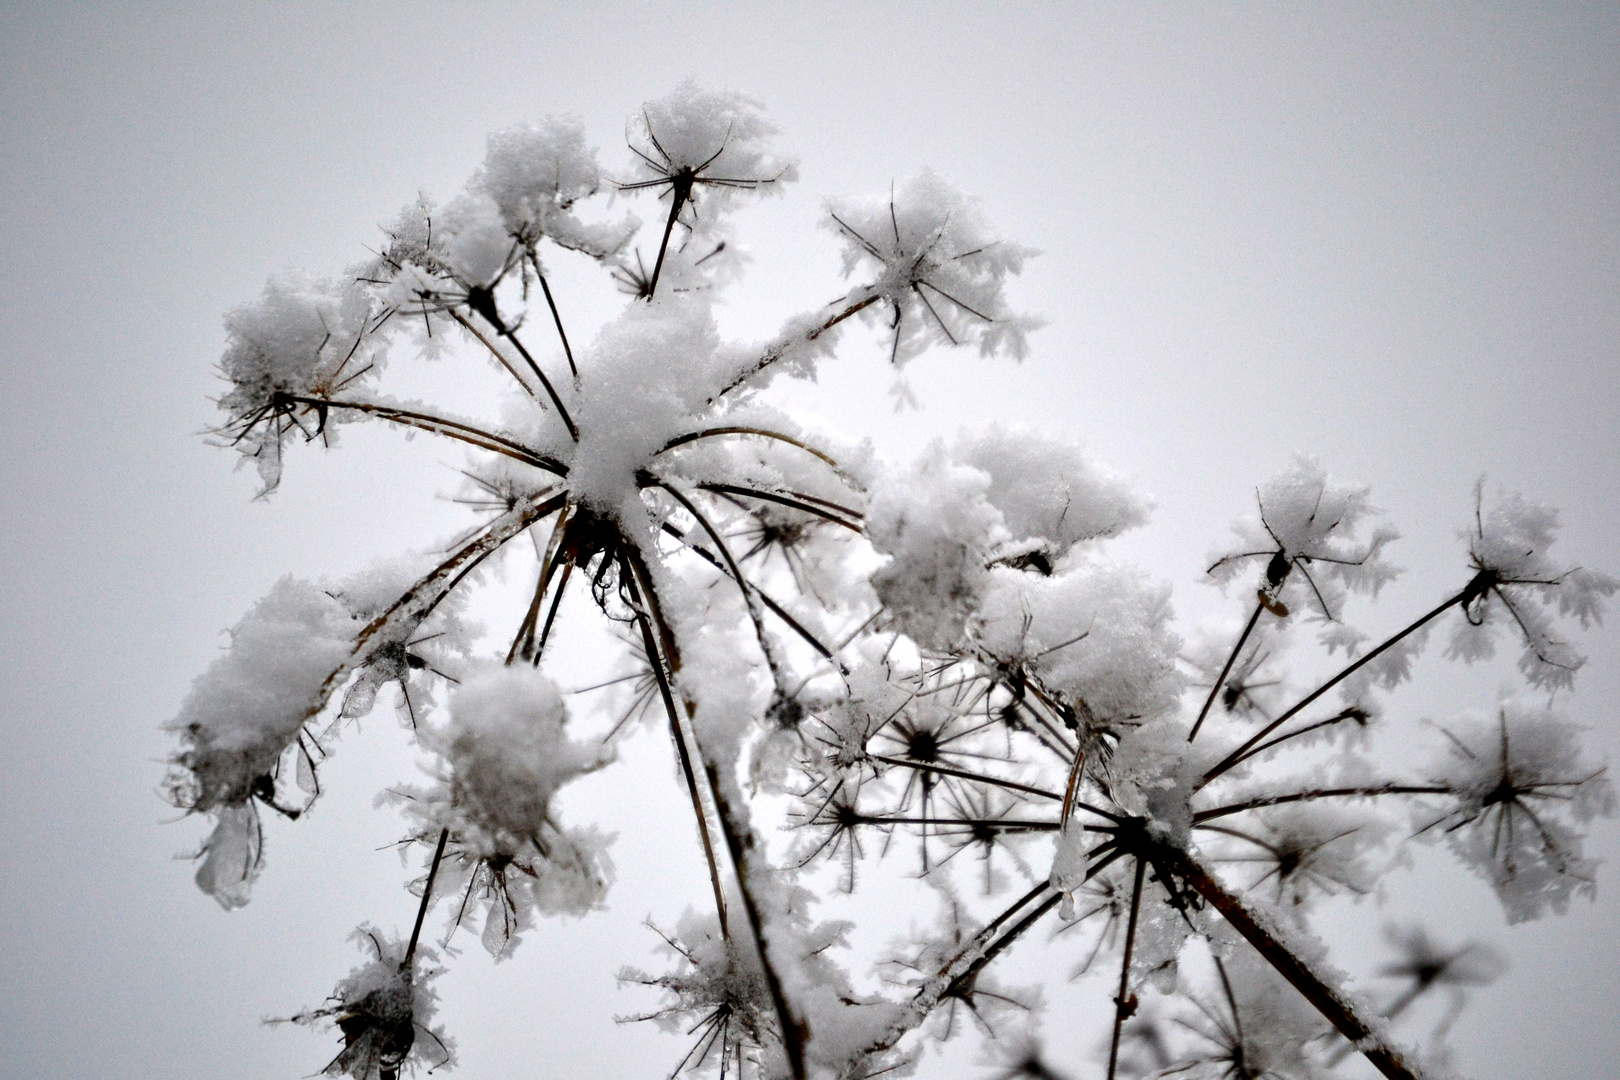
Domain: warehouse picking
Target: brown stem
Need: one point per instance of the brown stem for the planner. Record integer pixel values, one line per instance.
(744, 586)
(765, 597)
(1317, 725)
(740, 843)
(1267, 939)
(556, 318)
(523, 643)
(655, 660)
(451, 429)
(1004, 942)
(1237, 755)
(849, 522)
(976, 823)
(1121, 1008)
(709, 433)
(963, 774)
(679, 192)
(776, 352)
(964, 965)
(427, 593)
(496, 353)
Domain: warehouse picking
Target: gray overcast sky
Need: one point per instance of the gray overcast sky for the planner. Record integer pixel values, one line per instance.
(1384, 234)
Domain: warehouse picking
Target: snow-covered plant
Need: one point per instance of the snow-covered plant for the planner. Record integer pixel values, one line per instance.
(382, 1010)
(844, 653)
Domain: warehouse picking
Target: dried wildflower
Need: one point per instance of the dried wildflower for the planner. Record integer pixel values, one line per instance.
(383, 1009)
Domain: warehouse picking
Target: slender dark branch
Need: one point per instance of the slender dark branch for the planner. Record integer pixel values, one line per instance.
(933, 989)
(638, 588)
(1121, 1008)
(1011, 785)
(1340, 717)
(740, 843)
(765, 598)
(551, 391)
(452, 429)
(706, 433)
(1265, 935)
(427, 899)
(1002, 943)
(776, 352)
(679, 192)
(971, 311)
(828, 503)
(1237, 755)
(423, 596)
(1071, 790)
(1321, 793)
(784, 500)
(551, 614)
(1010, 824)
(766, 646)
(522, 644)
(555, 317)
(496, 353)
(1225, 671)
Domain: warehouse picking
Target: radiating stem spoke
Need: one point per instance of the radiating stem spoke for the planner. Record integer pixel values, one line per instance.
(1122, 1002)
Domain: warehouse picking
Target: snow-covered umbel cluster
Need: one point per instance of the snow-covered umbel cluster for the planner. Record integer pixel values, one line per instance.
(944, 651)
(382, 1010)
(940, 270)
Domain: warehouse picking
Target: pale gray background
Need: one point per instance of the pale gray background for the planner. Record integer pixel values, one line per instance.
(1384, 234)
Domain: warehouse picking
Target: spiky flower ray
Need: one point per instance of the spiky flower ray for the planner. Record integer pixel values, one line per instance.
(941, 654)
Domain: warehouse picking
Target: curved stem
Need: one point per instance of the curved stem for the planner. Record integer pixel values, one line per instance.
(451, 429)
(638, 589)
(795, 503)
(707, 433)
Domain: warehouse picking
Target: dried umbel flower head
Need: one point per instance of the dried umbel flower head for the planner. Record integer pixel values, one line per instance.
(383, 1009)
(1519, 794)
(946, 656)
